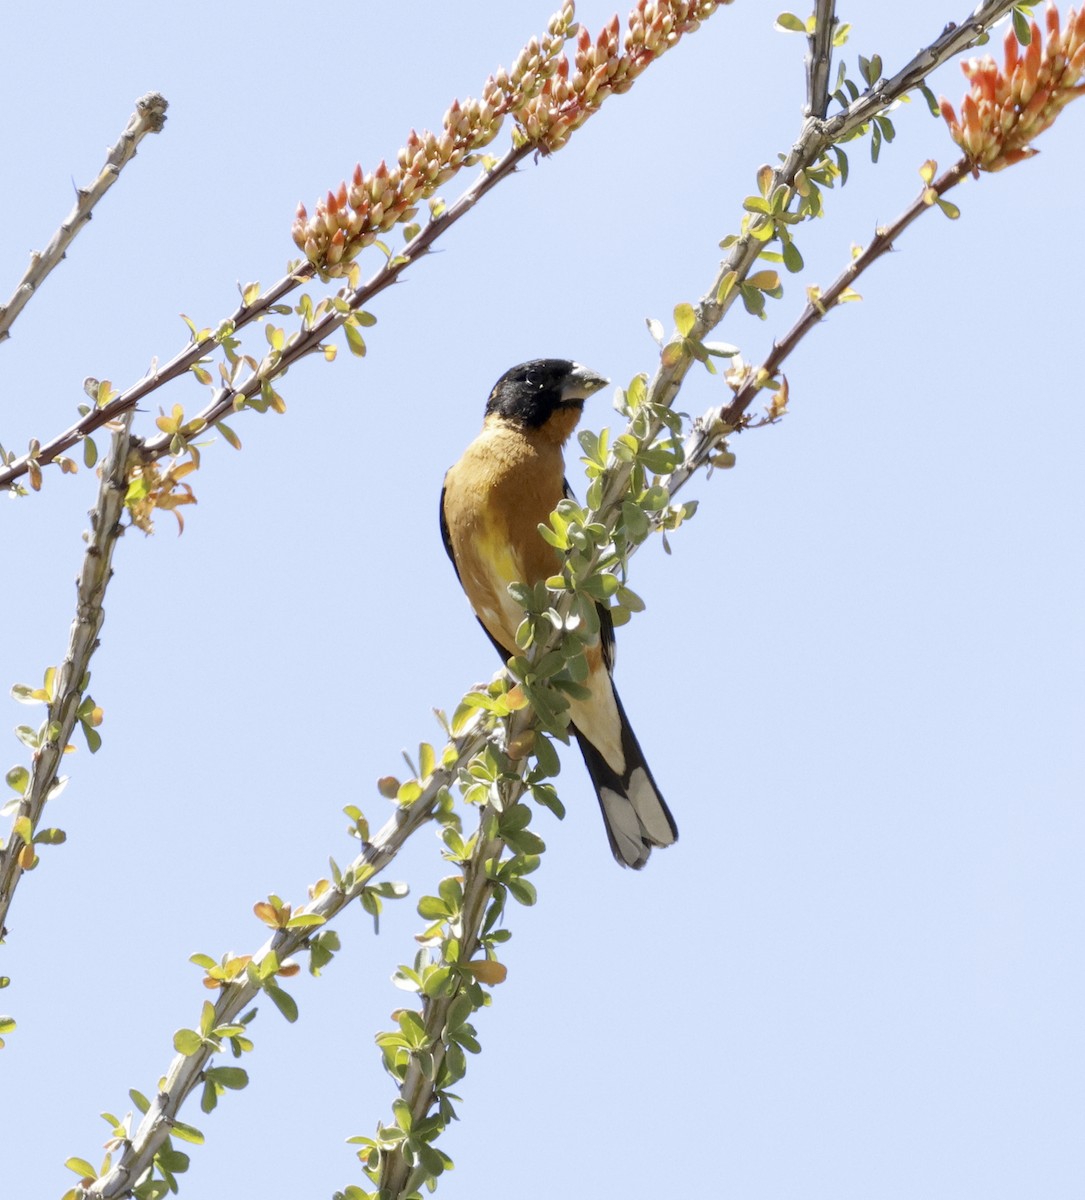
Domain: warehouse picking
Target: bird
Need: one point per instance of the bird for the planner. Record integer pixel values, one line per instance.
(506, 483)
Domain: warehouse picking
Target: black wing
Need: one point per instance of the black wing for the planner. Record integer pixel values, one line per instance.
(446, 537)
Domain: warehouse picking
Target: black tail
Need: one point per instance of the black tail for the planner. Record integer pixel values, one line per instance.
(634, 812)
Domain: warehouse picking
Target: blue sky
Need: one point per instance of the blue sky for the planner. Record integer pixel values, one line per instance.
(858, 678)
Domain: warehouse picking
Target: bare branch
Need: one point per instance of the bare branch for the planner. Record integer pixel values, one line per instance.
(69, 684)
(951, 41)
(819, 59)
(149, 117)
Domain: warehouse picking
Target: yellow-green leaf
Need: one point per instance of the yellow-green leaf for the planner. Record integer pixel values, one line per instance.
(684, 318)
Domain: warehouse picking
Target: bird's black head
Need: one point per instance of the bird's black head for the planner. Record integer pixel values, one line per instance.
(531, 393)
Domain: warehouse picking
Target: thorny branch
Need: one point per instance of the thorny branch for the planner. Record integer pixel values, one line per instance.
(69, 684)
(225, 399)
(714, 426)
(149, 117)
(819, 59)
(185, 1072)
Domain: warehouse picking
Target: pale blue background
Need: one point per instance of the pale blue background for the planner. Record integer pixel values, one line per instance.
(859, 679)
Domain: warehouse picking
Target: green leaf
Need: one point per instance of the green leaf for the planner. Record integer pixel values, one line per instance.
(522, 890)
(285, 1003)
(792, 258)
(187, 1133)
(684, 318)
(187, 1042)
(305, 920)
(789, 23)
(949, 208)
(932, 102)
(81, 1167)
(228, 434)
(433, 908)
(634, 520)
(1021, 28)
(354, 340)
(18, 778)
(234, 1078)
(546, 756)
(600, 586)
(401, 1110)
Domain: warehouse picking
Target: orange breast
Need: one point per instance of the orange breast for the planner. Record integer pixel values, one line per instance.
(504, 486)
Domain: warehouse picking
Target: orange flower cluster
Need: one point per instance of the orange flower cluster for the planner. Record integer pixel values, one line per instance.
(546, 103)
(601, 69)
(1009, 106)
(348, 220)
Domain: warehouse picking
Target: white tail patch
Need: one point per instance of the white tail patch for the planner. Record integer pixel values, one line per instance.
(649, 808)
(625, 826)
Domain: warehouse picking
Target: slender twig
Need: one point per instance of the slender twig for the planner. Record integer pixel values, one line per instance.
(225, 399)
(149, 117)
(713, 427)
(68, 684)
(819, 57)
(951, 41)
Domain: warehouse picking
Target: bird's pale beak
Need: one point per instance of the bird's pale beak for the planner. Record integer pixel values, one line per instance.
(582, 383)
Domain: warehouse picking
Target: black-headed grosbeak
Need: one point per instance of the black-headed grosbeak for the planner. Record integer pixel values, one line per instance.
(507, 483)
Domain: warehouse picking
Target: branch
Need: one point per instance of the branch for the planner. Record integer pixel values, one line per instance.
(185, 1072)
(814, 139)
(149, 117)
(951, 41)
(819, 59)
(68, 686)
(710, 430)
(227, 400)
(419, 1088)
